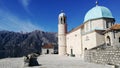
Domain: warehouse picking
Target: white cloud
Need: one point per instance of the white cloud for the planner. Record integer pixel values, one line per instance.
(25, 4)
(11, 22)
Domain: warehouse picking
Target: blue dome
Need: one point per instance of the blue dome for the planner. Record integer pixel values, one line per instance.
(98, 12)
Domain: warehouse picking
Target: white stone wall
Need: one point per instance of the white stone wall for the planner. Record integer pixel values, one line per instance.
(73, 40)
(62, 29)
(89, 40)
(92, 40)
(95, 24)
(87, 26)
(104, 56)
(62, 40)
(114, 38)
(100, 39)
(98, 24)
(44, 51)
(110, 34)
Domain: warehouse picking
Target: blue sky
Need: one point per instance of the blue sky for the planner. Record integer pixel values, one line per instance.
(29, 15)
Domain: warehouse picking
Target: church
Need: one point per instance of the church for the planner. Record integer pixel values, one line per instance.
(98, 28)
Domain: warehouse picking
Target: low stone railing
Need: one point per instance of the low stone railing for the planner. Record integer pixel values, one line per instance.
(108, 56)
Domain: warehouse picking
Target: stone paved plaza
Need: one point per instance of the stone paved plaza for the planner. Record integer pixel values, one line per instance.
(51, 61)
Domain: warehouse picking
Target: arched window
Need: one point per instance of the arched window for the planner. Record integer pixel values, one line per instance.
(61, 19)
(119, 39)
(108, 41)
(106, 24)
(64, 20)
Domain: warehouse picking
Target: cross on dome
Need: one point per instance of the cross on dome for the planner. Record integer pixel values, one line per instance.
(62, 11)
(96, 2)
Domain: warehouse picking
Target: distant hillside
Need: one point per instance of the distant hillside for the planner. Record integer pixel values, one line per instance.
(16, 44)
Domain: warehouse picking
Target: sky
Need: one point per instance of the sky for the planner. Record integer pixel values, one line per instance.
(29, 15)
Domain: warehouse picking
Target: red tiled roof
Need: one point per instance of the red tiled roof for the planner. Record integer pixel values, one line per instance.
(48, 46)
(116, 26)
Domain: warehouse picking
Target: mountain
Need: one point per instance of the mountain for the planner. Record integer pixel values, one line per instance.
(17, 44)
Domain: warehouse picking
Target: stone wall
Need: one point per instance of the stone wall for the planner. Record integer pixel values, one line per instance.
(74, 41)
(109, 56)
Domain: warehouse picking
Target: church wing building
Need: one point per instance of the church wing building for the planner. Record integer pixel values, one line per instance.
(99, 28)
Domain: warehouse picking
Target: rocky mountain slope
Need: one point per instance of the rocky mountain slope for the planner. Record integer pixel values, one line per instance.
(16, 44)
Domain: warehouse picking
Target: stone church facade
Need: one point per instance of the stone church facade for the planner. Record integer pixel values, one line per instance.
(98, 28)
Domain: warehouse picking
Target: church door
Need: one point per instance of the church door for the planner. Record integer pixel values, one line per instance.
(108, 41)
(71, 51)
(47, 51)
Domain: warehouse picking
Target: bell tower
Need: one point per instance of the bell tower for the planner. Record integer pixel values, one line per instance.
(62, 30)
